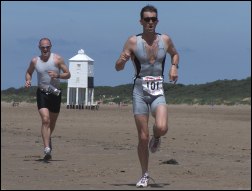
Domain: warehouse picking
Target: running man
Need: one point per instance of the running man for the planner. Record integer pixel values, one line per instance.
(48, 66)
(148, 52)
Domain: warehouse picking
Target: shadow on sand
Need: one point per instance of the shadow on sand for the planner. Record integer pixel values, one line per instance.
(153, 185)
(46, 161)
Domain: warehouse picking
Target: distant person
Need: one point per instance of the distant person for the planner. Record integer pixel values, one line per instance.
(148, 52)
(48, 66)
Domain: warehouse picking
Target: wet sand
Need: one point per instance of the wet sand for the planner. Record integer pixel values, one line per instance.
(98, 149)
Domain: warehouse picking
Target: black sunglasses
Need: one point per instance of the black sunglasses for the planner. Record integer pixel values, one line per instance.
(42, 47)
(147, 19)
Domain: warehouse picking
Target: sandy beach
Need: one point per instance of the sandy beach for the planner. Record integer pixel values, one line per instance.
(97, 149)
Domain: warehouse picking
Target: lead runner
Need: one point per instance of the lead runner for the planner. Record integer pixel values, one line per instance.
(148, 52)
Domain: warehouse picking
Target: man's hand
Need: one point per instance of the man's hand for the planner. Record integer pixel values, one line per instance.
(173, 74)
(28, 83)
(124, 57)
(52, 74)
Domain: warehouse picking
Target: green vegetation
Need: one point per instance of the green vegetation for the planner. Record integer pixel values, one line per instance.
(228, 92)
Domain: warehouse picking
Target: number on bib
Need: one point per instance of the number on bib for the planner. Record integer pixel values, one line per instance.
(153, 85)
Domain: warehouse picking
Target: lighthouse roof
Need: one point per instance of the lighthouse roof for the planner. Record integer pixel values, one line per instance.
(81, 56)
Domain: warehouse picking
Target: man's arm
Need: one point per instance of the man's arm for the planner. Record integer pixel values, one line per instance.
(173, 72)
(66, 73)
(126, 54)
(174, 54)
(29, 72)
(61, 64)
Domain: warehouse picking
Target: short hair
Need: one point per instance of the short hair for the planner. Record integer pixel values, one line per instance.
(45, 39)
(148, 8)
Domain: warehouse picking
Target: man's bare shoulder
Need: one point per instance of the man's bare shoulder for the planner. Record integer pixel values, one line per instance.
(132, 39)
(165, 37)
(56, 56)
(58, 59)
(34, 60)
(130, 44)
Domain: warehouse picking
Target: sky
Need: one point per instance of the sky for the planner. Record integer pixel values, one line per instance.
(213, 38)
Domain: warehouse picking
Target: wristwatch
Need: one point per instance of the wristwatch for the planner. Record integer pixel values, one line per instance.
(176, 65)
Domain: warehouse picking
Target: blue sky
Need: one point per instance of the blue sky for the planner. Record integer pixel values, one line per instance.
(212, 38)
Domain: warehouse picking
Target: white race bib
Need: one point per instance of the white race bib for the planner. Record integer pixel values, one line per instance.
(153, 85)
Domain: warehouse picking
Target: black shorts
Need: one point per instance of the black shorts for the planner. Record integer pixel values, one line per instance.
(49, 101)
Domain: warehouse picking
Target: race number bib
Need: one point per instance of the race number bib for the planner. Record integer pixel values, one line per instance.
(153, 85)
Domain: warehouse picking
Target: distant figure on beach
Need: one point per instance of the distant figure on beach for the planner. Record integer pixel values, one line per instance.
(48, 67)
(148, 52)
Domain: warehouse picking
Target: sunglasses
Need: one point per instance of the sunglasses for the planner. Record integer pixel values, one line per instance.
(147, 19)
(42, 47)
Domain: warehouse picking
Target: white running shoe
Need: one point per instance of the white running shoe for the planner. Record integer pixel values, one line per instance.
(47, 151)
(143, 182)
(154, 144)
(48, 155)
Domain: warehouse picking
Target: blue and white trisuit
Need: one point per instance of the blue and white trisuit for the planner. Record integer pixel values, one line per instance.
(148, 90)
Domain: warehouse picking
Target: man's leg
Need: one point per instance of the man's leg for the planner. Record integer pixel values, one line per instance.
(160, 127)
(53, 119)
(161, 121)
(45, 128)
(143, 139)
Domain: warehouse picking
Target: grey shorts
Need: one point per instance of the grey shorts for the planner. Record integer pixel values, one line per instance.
(145, 103)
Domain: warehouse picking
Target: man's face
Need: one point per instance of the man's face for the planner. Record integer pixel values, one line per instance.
(149, 21)
(45, 47)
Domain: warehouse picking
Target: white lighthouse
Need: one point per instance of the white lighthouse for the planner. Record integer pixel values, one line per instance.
(80, 87)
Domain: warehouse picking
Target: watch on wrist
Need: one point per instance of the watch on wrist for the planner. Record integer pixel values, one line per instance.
(176, 65)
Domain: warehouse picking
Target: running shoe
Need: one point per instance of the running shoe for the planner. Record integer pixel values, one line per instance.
(48, 155)
(154, 144)
(143, 182)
